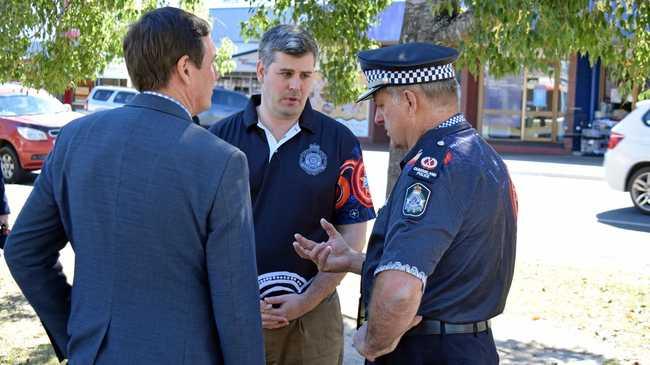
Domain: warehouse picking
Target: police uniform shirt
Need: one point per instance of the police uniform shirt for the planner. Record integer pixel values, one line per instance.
(317, 173)
(444, 224)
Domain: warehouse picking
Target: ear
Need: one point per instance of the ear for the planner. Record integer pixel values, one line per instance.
(183, 68)
(260, 70)
(412, 101)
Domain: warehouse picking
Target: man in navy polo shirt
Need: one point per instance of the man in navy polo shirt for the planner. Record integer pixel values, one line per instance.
(441, 255)
(304, 166)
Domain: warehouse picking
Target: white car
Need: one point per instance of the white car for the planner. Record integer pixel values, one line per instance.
(627, 161)
(108, 97)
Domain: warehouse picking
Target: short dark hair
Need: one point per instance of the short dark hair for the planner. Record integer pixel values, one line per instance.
(289, 39)
(155, 43)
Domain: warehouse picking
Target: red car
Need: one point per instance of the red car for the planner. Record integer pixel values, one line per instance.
(29, 123)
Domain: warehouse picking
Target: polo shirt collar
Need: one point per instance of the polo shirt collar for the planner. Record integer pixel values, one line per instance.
(307, 120)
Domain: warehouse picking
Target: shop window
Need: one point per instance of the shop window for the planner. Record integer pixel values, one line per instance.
(531, 106)
(502, 107)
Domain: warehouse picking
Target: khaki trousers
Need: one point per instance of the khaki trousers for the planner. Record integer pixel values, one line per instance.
(314, 339)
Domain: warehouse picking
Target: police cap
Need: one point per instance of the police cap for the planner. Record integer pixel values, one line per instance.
(406, 64)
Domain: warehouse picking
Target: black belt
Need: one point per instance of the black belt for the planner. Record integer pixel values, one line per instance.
(434, 327)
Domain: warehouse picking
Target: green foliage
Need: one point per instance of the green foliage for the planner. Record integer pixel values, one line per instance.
(52, 44)
(223, 61)
(645, 95)
(508, 35)
(339, 27)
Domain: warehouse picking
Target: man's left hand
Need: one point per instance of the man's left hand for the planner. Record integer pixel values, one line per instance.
(289, 306)
(361, 344)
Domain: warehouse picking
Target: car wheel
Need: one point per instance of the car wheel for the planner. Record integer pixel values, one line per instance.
(12, 172)
(640, 190)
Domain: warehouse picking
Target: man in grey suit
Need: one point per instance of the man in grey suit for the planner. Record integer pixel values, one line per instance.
(165, 269)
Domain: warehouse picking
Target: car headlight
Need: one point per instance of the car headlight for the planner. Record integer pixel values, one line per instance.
(32, 134)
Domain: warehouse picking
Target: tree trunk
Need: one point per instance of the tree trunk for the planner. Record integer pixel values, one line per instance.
(420, 25)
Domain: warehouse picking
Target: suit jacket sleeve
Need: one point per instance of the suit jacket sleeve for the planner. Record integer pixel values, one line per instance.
(32, 255)
(4, 206)
(232, 269)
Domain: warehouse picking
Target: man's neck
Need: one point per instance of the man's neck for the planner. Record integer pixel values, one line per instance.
(428, 121)
(178, 96)
(277, 126)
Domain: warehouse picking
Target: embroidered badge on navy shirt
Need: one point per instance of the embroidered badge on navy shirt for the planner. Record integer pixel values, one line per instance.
(312, 160)
(424, 169)
(415, 202)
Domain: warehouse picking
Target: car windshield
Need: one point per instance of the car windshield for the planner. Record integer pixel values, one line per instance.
(11, 105)
(223, 97)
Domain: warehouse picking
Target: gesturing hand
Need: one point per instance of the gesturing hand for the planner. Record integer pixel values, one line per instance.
(335, 255)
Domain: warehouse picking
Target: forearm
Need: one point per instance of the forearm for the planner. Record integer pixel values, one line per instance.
(356, 262)
(355, 236)
(395, 301)
(323, 286)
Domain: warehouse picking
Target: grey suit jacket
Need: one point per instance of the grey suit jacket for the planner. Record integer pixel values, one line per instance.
(157, 211)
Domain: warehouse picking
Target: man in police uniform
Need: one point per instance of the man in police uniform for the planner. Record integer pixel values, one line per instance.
(303, 166)
(441, 256)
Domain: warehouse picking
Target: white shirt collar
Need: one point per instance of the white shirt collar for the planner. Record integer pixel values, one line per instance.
(273, 143)
(170, 99)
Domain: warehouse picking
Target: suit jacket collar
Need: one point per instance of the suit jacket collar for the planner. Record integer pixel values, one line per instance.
(160, 104)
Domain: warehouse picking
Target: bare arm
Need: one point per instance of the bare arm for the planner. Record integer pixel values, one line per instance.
(395, 300)
(292, 306)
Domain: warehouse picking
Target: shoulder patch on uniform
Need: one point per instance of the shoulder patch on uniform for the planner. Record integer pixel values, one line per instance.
(416, 199)
(425, 168)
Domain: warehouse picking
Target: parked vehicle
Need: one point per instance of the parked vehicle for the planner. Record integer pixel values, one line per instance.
(108, 97)
(224, 104)
(627, 160)
(30, 120)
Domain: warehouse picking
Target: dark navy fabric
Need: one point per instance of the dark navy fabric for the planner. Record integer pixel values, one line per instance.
(4, 206)
(450, 221)
(157, 211)
(407, 56)
(319, 173)
(457, 349)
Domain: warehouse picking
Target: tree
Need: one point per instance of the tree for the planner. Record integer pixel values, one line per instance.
(504, 35)
(52, 44)
(339, 27)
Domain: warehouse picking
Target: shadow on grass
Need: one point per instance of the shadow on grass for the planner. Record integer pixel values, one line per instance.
(39, 354)
(14, 307)
(516, 352)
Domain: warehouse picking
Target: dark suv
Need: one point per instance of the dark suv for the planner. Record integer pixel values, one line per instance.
(224, 104)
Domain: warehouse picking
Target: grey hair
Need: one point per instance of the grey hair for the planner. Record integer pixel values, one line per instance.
(285, 38)
(432, 90)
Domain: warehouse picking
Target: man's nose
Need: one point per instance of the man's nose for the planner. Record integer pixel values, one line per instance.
(294, 83)
(379, 118)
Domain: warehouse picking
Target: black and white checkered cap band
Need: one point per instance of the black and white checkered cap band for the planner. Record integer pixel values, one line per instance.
(378, 77)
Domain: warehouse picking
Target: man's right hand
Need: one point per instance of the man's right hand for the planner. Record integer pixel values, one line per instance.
(271, 321)
(335, 255)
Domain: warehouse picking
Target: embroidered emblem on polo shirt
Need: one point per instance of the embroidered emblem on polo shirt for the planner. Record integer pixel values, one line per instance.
(415, 202)
(313, 160)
